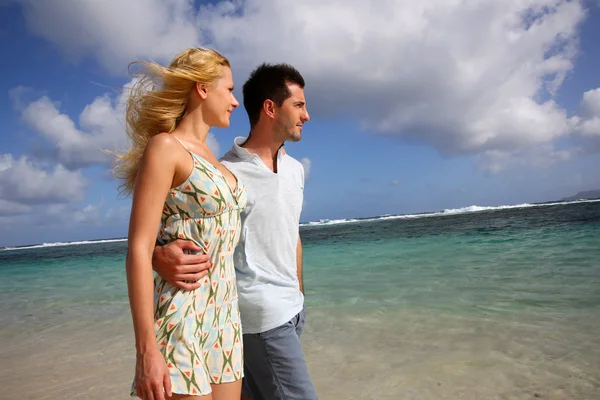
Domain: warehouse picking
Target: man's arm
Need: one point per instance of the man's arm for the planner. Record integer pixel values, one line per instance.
(179, 268)
(299, 263)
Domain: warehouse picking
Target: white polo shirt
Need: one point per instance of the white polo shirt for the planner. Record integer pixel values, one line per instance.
(265, 258)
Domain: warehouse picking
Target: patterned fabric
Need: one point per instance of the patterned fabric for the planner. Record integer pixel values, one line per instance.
(199, 331)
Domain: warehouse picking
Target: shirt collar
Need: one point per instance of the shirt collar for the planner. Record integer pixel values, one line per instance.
(244, 154)
(239, 151)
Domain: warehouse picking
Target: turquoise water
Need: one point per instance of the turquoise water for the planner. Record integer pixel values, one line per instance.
(543, 260)
(506, 295)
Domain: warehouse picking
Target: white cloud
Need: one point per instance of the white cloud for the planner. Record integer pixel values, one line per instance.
(306, 163)
(116, 214)
(591, 103)
(102, 130)
(22, 182)
(97, 215)
(17, 94)
(89, 213)
(113, 31)
(590, 126)
(464, 78)
(72, 215)
(461, 78)
(543, 156)
(213, 144)
(588, 123)
(71, 221)
(101, 127)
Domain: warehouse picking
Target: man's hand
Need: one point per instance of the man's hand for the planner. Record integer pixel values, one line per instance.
(179, 268)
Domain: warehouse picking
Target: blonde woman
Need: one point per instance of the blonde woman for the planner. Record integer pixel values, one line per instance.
(188, 343)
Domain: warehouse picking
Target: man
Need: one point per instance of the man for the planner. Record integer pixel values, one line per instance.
(268, 258)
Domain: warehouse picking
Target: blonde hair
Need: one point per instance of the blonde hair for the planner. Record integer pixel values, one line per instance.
(158, 101)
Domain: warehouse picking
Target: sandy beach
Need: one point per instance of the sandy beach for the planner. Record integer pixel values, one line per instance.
(383, 355)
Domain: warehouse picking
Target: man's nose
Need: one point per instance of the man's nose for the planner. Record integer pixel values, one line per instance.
(305, 117)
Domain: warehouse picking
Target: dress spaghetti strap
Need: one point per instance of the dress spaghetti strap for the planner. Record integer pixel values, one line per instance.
(181, 143)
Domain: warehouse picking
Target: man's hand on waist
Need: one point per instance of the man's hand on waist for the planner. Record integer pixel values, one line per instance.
(179, 268)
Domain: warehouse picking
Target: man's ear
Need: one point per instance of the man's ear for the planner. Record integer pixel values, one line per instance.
(269, 107)
(202, 90)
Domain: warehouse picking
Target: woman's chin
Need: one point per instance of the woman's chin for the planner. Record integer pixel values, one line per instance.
(224, 124)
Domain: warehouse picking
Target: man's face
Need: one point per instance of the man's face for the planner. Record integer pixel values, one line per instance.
(292, 115)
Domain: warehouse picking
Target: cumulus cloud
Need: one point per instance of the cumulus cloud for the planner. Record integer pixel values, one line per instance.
(70, 221)
(306, 163)
(22, 182)
(26, 182)
(75, 148)
(81, 214)
(461, 78)
(89, 213)
(93, 214)
(588, 123)
(464, 78)
(17, 94)
(101, 127)
(115, 32)
(543, 156)
(117, 214)
(213, 144)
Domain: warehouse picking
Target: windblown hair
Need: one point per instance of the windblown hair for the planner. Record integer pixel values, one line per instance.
(158, 101)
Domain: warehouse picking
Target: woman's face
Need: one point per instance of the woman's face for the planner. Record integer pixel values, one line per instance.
(220, 101)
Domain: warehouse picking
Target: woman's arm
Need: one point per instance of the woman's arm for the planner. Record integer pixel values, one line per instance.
(154, 179)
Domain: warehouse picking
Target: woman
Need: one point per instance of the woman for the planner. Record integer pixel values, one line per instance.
(188, 343)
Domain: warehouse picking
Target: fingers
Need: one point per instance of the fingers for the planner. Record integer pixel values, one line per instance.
(154, 390)
(150, 391)
(188, 281)
(188, 269)
(183, 270)
(191, 277)
(195, 277)
(145, 392)
(167, 384)
(149, 395)
(186, 285)
(157, 391)
(188, 245)
(193, 259)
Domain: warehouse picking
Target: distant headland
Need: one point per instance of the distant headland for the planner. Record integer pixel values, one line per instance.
(585, 195)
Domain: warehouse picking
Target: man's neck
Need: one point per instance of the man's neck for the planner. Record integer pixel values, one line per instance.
(263, 146)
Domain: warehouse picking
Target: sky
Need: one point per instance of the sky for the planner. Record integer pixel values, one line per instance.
(415, 106)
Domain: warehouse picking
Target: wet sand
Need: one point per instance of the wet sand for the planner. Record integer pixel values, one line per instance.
(352, 354)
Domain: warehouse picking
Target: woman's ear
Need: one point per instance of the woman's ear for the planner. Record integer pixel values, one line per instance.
(202, 90)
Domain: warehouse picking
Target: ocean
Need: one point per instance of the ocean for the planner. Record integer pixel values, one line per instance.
(473, 303)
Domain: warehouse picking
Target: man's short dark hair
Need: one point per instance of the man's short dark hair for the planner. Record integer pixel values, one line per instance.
(268, 82)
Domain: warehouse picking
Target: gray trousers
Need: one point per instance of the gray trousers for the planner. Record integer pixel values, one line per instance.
(274, 366)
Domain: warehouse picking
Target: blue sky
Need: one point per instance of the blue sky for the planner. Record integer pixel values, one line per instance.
(415, 106)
